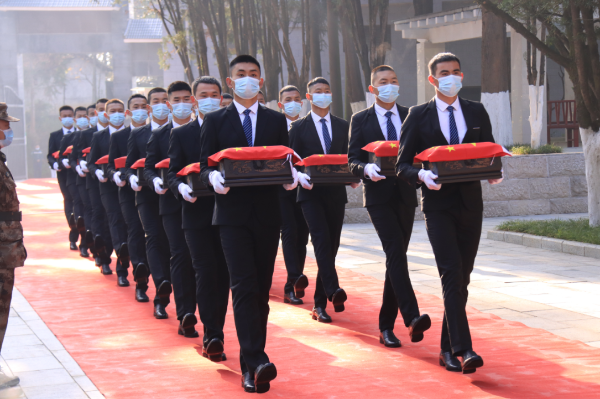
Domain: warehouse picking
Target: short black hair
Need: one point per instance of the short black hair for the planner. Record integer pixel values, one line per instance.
(136, 95)
(315, 81)
(441, 57)
(65, 108)
(227, 95)
(206, 80)
(93, 106)
(114, 100)
(80, 108)
(102, 101)
(244, 58)
(287, 88)
(155, 90)
(178, 85)
(380, 68)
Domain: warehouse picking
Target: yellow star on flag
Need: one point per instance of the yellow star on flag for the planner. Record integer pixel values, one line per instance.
(450, 149)
(265, 147)
(474, 144)
(238, 149)
(321, 156)
(393, 145)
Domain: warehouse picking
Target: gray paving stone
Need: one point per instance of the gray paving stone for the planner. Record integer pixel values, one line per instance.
(529, 207)
(532, 241)
(513, 238)
(574, 248)
(592, 251)
(62, 391)
(552, 187)
(45, 378)
(495, 235)
(566, 164)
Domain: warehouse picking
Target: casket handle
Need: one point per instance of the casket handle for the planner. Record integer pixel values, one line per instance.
(259, 165)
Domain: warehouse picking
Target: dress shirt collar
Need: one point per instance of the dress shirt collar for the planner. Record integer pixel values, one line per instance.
(200, 120)
(382, 111)
(289, 122)
(240, 108)
(317, 118)
(175, 124)
(99, 126)
(442, 106)
(156, 125)
(67, 131)
(114, 129)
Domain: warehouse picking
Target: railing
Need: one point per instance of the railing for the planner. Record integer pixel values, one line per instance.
(563, 115)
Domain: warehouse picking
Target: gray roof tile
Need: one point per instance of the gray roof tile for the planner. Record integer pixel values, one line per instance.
(56, 3)
(149, 28)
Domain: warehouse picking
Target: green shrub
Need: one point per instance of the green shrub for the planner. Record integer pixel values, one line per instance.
(571, 230)
(525, 149)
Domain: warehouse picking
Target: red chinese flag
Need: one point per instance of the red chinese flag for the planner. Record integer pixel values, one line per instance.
(102, 161)
(188, 170)
(164, 164)
(383, 148)
(320, 159)
(68, 150)
(55, 154)
(139, 163)
(262, 153)
(120, 162)
(86, 151)
(460, 152)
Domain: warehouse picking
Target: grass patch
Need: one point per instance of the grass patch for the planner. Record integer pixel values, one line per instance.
(572, 230)
(525, 149)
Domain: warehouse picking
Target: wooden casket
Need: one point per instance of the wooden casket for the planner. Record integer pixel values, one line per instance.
(328, 169)
(139, 170)
(163, 170)
(192, 177)
(383, 154)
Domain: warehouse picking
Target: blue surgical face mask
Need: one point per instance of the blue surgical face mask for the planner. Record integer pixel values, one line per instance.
(93, 120)
(160, 111)
(67, 122)
(246, 87)
(206, 105)
(139, 115)
(8, 138)
(388, 93)
(292, 108)
(450, 85)
(170, 116)
(83, 123)
(182, 110)
(322, 100)
(116, 119)
(102, 118)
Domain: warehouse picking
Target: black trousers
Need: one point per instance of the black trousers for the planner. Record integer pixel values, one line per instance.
(77, 209)
(294, 238)
(117, 226)
(454, 235)
(135, 231)
(68, 202)
(393, 222)
(325, 219)
(212, 279)
(182, 271)
(250, 251)
(87, 206)
(99, 219)
(157, 244)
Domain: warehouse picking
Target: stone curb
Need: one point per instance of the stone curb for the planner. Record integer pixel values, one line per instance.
(551, 244)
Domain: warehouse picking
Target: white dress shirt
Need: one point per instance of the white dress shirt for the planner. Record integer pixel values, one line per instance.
(444, 117)
(317, 119)
(114, 129)
(289, 122)
(99, 127)
(175, 124)
(67, 131)
(156, 125)
(200, 121)
(254, 109)
(383, 120)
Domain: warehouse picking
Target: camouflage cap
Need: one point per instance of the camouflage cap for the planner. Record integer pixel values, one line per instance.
(4, 114)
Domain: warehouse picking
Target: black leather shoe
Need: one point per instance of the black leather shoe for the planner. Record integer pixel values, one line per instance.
(73, 246)
(470, 361)
(122, 281)
(448, 360)
(140, 295)
(89, 243)
(105, 269)
(80, 225)
(83, 252)
(140, 275)
(97, 261)
(123, 255)
(300, 285)
(99, 244)
(248, 382)
(417, 326)
(187, 326)
(213, 350)
(164, 292)
(264, 374)
(160, 312)
(337, 299)
(289, 297)
(72, 223)
(389, 339)
(320, 315)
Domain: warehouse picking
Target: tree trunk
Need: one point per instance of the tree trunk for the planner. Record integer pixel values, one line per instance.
(315, 38)
(591, 152)
(354, 88)
(335, 78)
(423, 7)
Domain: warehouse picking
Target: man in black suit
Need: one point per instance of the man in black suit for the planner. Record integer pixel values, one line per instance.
(390, 203)
(249, 218)
(323, 207)
(453, 211)
(204, 243)
(115, 114)
(182, 271)
(147, 202)
(294, 230)
(136, 108)
(66, 114)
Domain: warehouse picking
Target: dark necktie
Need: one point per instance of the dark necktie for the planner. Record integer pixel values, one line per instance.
(326, 137)
(453, 128)
(248, 127)
(392, 134)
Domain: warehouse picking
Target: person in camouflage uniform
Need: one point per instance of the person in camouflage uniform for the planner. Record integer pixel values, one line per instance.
(12, 250)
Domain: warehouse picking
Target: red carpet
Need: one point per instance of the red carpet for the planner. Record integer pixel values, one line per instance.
(129, 354)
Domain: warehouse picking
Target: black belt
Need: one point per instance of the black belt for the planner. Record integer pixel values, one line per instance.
(10, 216)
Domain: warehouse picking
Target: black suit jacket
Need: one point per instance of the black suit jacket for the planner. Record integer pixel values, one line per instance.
(83, 141)
(184, 149)
(304, 139)
(420, 131)
(117, 148)
(156, 150)
(222, 129)
(65, 142)
(73, 157)
(53, 146)
(136, 149)
(100, 144)
(365, 129)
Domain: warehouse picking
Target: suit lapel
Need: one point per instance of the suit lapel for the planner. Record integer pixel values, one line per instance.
(435, 122)
(236, 123)
(467, 114)
(261, 124)
(374, 125)
(313, 134)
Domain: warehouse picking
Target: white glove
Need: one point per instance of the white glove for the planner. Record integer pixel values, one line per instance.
(497, 181)
(117, 179)
(186, 192)
(158, 186)
(84, 166)
(65, 162)
(293, 185)
(305, 181)
(55, 166)
(428, 177)
(79, 171)
(133, 181)
(371, 172)
(100, 176)
(217, 181)
(355, 185)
